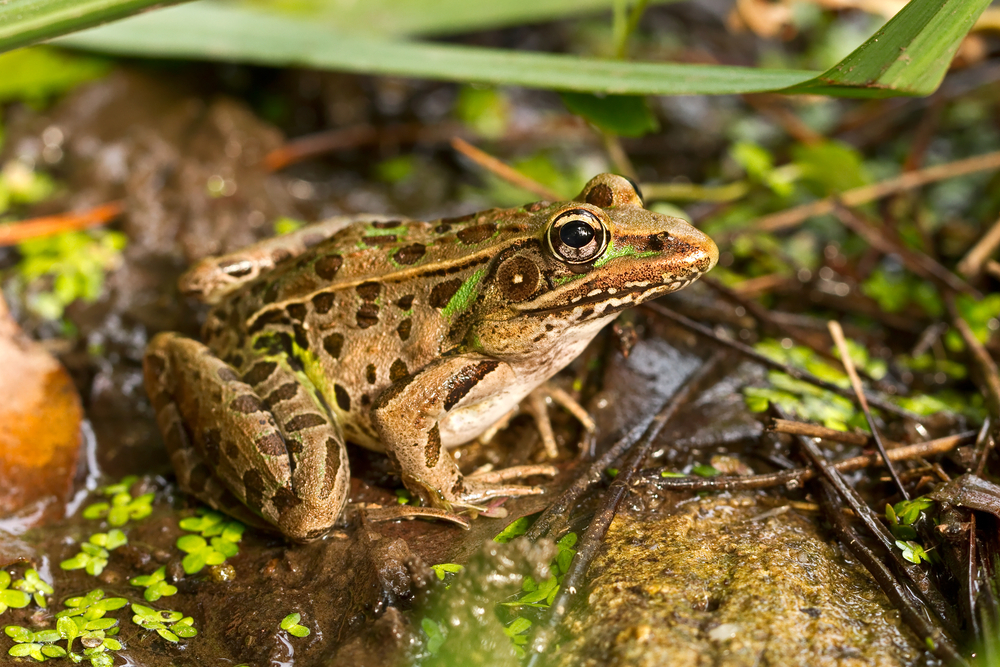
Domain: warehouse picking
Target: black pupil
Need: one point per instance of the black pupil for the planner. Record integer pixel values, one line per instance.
(576, 234)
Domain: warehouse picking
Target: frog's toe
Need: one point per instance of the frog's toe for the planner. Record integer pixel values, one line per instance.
(514, 472)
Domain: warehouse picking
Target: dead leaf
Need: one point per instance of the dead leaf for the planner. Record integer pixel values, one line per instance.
(40, 417)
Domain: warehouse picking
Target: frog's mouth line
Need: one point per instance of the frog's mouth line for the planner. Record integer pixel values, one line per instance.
(624, 297)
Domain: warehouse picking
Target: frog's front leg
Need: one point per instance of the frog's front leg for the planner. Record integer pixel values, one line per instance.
(408, 415)
(265, 437)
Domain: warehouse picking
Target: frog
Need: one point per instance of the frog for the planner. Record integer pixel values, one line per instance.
(403, 336)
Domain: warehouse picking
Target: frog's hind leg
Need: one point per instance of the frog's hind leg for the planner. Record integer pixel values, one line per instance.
(213, 278)
(281, 455)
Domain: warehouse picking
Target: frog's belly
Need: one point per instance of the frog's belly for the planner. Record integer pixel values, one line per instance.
(461, 426)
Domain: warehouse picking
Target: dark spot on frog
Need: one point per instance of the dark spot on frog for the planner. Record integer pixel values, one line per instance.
(326, 267)
(253, 484)
(462, 382)
(294, 447)
(284, 500)
(304, 421)
(332, 466)
(398, 370)
(301, 338)
(477, 233)
(369, 291)
(366, 400)
(260, 372)
(404, 328)
(323, 302)
(601, 195)
(212, 446)
(379, 240)
(432, 450)
(227, 374)
(442, 229)
(267, 318)
(405, 302)
(443, 291)
(370, 373)
(518, 278)
(333, 344)
(549, 326)
(387, 224)
(246, 404)
(458, 488)
(411, 253)
(199, 476)
(367, 315)
(236, 269)
(458, 219)
(280, 255)
(296, 311)
(282, 393)
(235, 360)
(811, 612)
(271, 295)
(343, 398)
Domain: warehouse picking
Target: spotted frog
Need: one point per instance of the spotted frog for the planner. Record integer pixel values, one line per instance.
(405, 337)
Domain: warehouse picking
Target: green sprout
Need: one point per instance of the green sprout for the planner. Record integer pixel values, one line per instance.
(705, 470)
(290, 624)
(38, 645)
(33, 585)
(94, 553)
(155, 585)
(122, 506)
(913, 551)
(91, 606)
(903, 515)
(11, 598)
(515, 529)
(444, 569)
(169, 624)
(435, 635)
(222, 535)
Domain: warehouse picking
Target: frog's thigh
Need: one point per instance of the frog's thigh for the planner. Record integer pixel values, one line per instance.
(214, 277)
(292, 472)
(408, 412)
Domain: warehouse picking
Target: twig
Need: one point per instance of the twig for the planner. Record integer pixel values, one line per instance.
(981, 359)
(910, 607)
(507, 173)
(915, 261)
(972, 264)
(598, 528)
(943, 610)
(16, 232)
(793, 217)
(797, 477)
(619, 158)
(692, 192)
(817, 431)
(751, 353)
(845, 355)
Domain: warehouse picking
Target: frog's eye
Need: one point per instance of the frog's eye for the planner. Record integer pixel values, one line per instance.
(578, 236)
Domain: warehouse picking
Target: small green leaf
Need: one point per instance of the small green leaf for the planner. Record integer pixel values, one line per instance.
(515, 529)
(622, 115)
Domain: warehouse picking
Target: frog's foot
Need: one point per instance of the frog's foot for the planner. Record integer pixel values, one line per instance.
(537, 405)
(475, 490)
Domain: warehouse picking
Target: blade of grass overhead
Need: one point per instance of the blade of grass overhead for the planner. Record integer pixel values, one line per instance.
(909, 55)
(24, 22)
(217, 32)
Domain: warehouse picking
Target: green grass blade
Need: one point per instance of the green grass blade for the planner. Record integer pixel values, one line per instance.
(908, 56)
(24, 22)
(214, 31)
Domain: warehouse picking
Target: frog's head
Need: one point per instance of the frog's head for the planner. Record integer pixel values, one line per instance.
(598, 255)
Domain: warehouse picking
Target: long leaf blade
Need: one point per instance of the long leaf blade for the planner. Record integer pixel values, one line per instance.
(909, 55)
(208, 30)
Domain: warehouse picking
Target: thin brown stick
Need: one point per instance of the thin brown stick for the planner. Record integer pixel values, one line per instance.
(911, 180)
(592, 538)
(852, 373)
(504, 171)
(972, 264)
(797, 477)
(16, 232)
(988, 373)
(915, 261)
(694, 192)
(756, 356)
(817, 431)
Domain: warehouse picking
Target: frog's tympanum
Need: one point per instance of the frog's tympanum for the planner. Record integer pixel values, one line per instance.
(402, 336)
